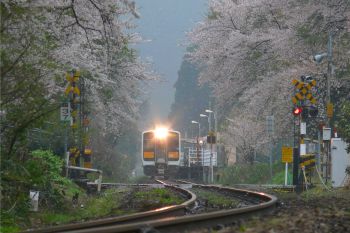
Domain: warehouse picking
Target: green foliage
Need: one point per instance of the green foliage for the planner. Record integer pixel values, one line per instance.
(26, 64)
(278, 178)
(44, 168)
(250, 174)
(164, 196)
(216, 199)
(94, 206)
(9, 229)
(343, 123)
(41, 171)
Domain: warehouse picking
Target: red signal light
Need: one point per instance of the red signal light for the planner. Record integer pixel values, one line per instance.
(297, 111)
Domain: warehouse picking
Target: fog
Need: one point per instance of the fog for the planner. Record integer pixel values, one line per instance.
(164, 24)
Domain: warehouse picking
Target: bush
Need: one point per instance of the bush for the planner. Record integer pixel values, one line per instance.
(44, 170)
(41, 171)
(250, 174)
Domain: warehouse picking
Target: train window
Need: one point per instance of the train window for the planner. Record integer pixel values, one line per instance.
(148, 146)
(148, 135)
(173, 141)
(173, 146)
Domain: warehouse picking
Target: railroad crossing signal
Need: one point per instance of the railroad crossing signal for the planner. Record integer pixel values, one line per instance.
(87, 158)
(211, 138)
(74, 154)
(297, 111)
(308, 161)
(72, 79)
(304, 91)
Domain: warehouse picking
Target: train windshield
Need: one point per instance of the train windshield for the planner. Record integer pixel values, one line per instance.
(173, 146)
(173, 142)
(148, 146)
(161, 148)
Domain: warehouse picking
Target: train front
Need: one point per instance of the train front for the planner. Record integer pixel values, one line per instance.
(161, 152)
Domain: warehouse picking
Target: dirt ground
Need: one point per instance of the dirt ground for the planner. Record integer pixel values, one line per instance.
(317, 210)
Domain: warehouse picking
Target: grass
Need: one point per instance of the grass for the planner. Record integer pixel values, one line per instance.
(215, 199)
(258, 173)
(93, 207)
(112, 202)
(161, 195)
(9, 229)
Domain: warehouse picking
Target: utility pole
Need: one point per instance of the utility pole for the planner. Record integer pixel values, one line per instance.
(330, 72)
(328, 99)
(270, 132)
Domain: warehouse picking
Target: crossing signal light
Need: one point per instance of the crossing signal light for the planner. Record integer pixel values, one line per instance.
(313, 111)
(297, 111)
(305, 113)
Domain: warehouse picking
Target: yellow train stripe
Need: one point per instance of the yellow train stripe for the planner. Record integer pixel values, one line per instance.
(148, 155)
(173, 155)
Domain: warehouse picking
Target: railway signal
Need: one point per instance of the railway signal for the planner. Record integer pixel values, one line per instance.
(73, 92)
(304, 91)
(211, 138)
(304, 110)
(297, 111)
(313, 111)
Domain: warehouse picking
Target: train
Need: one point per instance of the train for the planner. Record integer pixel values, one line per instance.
(161, 152)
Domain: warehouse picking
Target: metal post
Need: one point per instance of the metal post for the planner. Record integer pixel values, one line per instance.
(203, 171)
(215, 123)
(329, 77)
(286, 176)
(329, 70)
(209, 121)
(211, 164)
(270, 160)
(99, 184)
(199, 130)
(41, 138)
(67, 163)
(295, 166)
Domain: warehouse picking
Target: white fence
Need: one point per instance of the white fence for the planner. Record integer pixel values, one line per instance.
(194, 157)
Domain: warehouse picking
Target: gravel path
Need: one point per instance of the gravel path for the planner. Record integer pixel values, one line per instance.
(315, 211)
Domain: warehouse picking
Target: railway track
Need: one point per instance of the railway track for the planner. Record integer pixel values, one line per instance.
(174, 218)
(168, 211)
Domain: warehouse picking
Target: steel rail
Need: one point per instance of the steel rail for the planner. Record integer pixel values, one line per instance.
(183, 223)
(167, 211)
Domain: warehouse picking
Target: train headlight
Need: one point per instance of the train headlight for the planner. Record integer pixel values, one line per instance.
(161, 133)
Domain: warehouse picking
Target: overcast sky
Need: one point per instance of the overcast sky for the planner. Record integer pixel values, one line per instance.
(165, 23)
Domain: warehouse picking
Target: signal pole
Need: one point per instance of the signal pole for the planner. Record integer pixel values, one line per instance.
(329, 103)
(329, 106)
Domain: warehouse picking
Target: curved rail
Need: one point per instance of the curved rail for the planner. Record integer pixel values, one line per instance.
(183, 223)
(167, 211)
(192, 196)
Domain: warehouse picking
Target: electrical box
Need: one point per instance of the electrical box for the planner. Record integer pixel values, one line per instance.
(326, 134)
(340, 160)
(303, 128)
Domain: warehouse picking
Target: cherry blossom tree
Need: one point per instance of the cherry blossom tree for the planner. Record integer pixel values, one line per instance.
(249, 51)
(43, 39)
